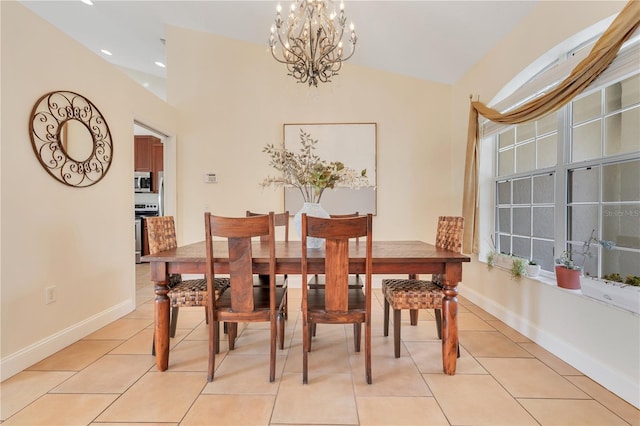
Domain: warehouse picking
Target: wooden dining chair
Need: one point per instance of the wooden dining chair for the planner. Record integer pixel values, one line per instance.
(336, 302)
(415, 294)
(243, 302)
(161, 231)
(280, 220)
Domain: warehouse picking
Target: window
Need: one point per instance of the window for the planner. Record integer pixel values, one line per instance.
(572, 172)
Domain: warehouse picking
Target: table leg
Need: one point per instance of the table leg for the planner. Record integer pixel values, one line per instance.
(161, 309)
(450, 318)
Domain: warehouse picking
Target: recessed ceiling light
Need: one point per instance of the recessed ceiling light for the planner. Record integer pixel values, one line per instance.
(106, 52)
(89, 2)
(160, 64)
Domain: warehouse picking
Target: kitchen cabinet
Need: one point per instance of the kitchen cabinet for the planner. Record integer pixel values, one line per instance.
(149, 157)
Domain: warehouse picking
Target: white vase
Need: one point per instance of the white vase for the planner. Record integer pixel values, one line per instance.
(533, 270)
(311, 209)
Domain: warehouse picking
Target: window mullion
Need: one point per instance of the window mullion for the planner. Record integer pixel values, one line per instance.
(563, 150)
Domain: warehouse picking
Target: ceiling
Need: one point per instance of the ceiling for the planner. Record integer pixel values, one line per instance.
(431, 40)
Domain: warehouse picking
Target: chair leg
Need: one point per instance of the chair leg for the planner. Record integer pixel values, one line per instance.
(413, 315)
(367, 351)
(206, 318)
(386, 317)
(305, 352)
(213, 348)
(357, 335)
(174, 321)
(396, 332)
(286, 306)
(272, 351)
(232, 331)
(280, 320)
(313, 329)
(438, 314)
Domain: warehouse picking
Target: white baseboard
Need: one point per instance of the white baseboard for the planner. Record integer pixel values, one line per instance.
(26, 357)
(623, 386)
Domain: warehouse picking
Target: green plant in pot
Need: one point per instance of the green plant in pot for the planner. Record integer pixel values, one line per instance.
(567, 271)
(533, 269)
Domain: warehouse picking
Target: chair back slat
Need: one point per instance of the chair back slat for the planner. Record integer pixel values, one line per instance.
(337, 228)
(240, 274)
(244, 227)
(337, 274)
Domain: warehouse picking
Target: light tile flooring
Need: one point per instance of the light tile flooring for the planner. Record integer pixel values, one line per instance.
(109, 378)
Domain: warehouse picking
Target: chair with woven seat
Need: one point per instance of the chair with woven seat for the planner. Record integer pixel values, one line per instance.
(415, 294)
(243, 302)
(280, 220)
(336, 302)
(161, 232)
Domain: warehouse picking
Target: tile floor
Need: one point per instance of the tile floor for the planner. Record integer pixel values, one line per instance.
(109, 378)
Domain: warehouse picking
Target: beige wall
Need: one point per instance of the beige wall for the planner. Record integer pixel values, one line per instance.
(233, 99)
(600, 340)
(77, 239)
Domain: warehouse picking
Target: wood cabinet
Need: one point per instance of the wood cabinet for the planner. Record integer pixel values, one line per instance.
(149, 157)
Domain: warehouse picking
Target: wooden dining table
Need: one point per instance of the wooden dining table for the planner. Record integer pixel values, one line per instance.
(389, 258)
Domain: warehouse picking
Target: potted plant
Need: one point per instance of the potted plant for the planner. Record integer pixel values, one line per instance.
(533, 269)
(567, 272)
(614, 290)
(518, 268)
(491, 259)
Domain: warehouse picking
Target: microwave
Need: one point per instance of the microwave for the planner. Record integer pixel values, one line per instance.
(142, 182)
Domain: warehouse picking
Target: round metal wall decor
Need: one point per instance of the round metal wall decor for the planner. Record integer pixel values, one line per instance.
(71, 138)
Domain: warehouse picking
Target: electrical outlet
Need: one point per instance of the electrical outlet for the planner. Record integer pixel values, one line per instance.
(210, 178)
(50, 294)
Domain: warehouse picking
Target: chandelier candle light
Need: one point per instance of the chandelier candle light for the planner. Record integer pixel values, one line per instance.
(310, 42)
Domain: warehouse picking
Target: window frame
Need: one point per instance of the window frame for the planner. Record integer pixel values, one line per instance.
(564, 164)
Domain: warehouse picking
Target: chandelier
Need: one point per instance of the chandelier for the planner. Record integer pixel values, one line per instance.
(310, 42)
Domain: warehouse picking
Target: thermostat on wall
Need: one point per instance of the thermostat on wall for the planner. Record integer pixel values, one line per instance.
(210, 178)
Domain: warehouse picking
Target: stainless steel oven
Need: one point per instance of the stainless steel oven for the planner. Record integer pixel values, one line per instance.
(142, 211)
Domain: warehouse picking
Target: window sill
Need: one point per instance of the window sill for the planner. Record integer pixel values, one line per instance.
(621, 296)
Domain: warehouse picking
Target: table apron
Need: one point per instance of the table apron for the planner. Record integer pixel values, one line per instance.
(160, 269)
